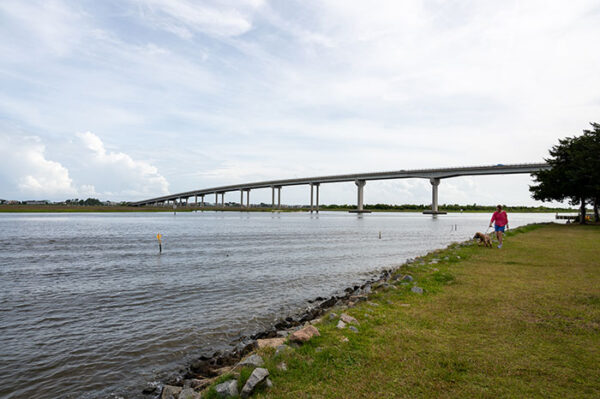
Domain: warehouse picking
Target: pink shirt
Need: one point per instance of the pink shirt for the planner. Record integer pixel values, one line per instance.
(500, 217)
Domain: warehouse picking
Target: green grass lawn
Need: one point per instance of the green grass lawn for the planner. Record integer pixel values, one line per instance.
(521, 322)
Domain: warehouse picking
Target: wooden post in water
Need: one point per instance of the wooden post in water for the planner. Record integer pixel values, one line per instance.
(159, 236)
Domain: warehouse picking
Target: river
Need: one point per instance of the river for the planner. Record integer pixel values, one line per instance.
(89, 308)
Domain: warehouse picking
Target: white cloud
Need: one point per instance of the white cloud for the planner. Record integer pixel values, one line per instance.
(183, 17)
(23, 163)
(116, 173)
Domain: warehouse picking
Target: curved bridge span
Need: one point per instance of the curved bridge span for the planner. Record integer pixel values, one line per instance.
(360, 179)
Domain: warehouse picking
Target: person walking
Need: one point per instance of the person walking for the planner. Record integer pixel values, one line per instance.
(500, 220)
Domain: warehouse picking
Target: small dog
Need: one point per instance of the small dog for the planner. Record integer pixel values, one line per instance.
(483, 238)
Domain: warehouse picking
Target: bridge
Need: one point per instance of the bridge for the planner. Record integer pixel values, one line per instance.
(360, 179)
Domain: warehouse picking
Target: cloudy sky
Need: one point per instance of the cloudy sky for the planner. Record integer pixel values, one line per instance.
(130, 99)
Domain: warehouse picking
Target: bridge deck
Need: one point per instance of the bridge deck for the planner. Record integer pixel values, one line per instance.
(439, 173)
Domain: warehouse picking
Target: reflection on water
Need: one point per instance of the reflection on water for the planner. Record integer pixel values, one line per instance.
(88, 307)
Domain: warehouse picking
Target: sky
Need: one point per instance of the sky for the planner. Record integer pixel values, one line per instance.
(130, 99)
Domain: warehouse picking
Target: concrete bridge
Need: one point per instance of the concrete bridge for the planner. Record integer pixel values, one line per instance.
(360, 179)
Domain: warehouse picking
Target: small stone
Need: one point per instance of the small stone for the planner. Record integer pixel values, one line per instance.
(283, 333)
(319, 349)
(227, 389)
(446, 258)
(304, 334)
(353, 329)
(332, 316)
(199, 384)
(405, 305)
(457, 256)
(150, 389)
(270, 342)
(417, 290)
(258, 376)
(341, 325)
(269, 383)
(280, 349)
(170, 392)
(372, 304)
(315, 321)
(408, 278)
(351, 304)
(252, 360)
(282, 366)
(344, 339)
(188, 393)
(346, 318)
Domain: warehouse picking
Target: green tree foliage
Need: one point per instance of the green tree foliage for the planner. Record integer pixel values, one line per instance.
(575, 172)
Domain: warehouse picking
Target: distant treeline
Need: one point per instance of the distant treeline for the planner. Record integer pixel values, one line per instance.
(450, 208)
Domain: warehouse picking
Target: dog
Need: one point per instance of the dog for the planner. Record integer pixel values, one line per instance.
(483, 238)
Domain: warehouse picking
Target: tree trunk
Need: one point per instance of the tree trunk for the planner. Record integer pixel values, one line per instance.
(596, 215)
(582, 212)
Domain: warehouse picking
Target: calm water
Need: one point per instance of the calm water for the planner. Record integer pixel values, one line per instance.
(88, 308)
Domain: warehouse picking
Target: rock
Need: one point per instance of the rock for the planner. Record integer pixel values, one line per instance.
(252, 360)
(315, 321)
(417, 290)
(304, 334)
(351, 304)
(358, 298)
(258, 376)
(372, 304)
(170, 392)
(282, 366)
(353, 329)
(341, 325)
(188, 393)
(269, 383)
(270, 342)
(281, 349)
(150, 389)
(332, 316)
(227, 389)
(346, 318)
(457, 256)
(344, 339)
(283, 334)
(245, 347)
(408, 278)
(435, 269)
(405, 305)
(434, 261)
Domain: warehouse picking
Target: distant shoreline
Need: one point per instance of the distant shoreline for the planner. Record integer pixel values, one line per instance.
(121, 208)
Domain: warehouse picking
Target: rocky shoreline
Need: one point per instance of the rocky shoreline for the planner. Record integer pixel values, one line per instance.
(205, 370)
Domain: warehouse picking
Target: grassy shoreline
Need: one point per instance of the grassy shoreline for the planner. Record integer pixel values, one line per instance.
(523, 321)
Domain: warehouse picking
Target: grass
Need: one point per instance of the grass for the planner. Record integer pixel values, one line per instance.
(523, 321)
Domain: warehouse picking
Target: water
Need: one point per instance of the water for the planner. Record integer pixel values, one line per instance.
(88, 308)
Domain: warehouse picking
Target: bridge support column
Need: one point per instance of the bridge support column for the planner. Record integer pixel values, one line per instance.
(248, 198)
(202, 200)
(196, 200)
(241, 198)
(279, 197)
(435, 182)
(311, 198)
(317, 185)
(272, 197)
(223, 200)
(216, 199)
(360, 184)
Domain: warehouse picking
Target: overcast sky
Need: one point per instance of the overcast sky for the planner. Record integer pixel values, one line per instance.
(130, 99)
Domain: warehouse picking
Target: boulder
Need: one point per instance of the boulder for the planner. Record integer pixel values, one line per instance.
(199, 384)
(227, 389)
(270, 342)
(304, 334)
(346, 318)
(417, 290)
(408, 278)
(188, 393)
(252, 360)
(353, 329)
(258, 376)
(170, 392)
(341, 325)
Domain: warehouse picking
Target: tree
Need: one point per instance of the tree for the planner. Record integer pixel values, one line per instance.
(574, 174)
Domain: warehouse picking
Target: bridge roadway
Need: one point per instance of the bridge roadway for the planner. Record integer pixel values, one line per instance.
(360, 179)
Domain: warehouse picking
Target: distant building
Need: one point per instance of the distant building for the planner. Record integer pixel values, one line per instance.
(36, 202)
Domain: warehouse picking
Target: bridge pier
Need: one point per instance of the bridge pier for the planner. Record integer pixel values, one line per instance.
(223, 200)
(248, 198)
(360, 184)
(196, 200)
(241, 198)
(435, 182)
(278, 197)
(312, 208)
